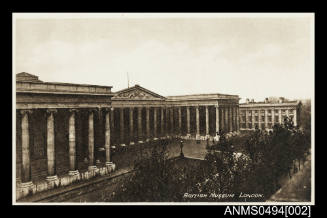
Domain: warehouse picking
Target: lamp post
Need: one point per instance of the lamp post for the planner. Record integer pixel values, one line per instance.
(181, 146)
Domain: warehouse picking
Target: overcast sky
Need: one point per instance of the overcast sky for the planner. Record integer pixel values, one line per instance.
(253, 57)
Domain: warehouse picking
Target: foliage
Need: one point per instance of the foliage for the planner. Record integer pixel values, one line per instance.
(265, 158)
(157, 178)
(273, 153)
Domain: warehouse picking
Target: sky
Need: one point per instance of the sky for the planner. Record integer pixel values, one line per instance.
(251, 56)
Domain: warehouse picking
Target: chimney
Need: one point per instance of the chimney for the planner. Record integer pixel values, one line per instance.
(281, 99)
(266, 100)
(252, 100)
(247, 101)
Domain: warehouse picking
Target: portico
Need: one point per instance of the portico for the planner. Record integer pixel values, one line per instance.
(203, 115)
(60, 132)
(65, 132)
(188, 116)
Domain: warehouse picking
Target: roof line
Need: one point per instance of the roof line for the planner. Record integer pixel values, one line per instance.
(60, 83)
(202, 94)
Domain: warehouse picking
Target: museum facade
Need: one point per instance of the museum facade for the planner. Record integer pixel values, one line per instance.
(65, 132)
(63, 129)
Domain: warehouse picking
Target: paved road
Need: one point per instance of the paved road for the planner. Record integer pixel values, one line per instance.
(298, 188)
(125, 159)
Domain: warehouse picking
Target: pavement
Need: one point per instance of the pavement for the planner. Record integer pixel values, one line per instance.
(191, 149)
(298, 188)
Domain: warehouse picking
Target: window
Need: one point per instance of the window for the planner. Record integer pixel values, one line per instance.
(256, 119)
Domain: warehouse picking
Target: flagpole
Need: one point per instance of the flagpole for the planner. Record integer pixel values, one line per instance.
(127, 80)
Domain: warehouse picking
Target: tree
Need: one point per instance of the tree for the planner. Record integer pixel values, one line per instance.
(157, 178)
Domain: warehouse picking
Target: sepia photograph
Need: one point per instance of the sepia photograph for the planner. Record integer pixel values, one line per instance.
(163, 108)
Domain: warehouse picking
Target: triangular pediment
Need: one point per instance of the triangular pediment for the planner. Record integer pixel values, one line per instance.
(137, 93)
(23, 76)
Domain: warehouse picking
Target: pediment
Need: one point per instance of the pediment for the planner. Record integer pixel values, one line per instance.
(137, 93)
(27, 77)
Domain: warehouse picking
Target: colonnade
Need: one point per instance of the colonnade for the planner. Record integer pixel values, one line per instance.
(169, 119)
(269, 115)
(51, 162)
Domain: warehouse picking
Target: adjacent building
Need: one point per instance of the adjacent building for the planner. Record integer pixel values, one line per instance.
(267, 113)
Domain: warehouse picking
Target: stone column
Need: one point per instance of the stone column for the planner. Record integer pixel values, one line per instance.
(266, 118)
(226, 119)
(51, 146)
(155, 122)
(180, 120)
(172, 121)
(188, 121)
(217, 119)
(91, 140)
(246, 119)
(26, 166)
(107, 137)
(287, 112)
(112, 117)
(167, 121)
(131, 126)
(139, 124)
(259, 118)
(253, 116)
(197, 117)
(72, 143)
(207, 121)
(234, 118)
(223, 119)
(162, 124)
(272, 117)
(295, 117)
(122, 128)
(238, 118)
(280, 116)
(147, 118)
(230, 120)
